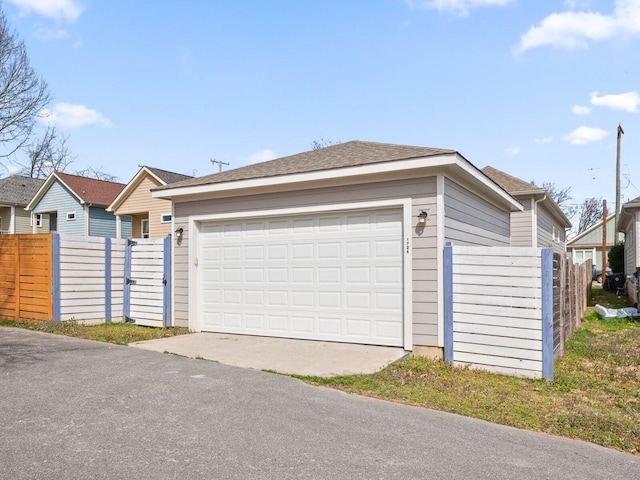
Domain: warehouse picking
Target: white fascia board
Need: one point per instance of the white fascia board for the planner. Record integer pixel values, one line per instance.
(315, 176)
(482, 178)
(450, 161)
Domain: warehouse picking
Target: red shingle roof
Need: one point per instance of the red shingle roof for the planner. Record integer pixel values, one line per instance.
(91, 190)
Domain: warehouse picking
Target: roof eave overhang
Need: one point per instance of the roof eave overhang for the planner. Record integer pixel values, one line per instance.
(452, 162)
(626, 216)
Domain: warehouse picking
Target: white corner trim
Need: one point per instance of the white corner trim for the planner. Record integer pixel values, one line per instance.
(440, 237)
(407, 282)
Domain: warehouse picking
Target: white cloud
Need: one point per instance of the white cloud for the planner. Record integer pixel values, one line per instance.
(262, 156)
(583, 135)
(544, 139)
(512, 150)
(60, 10)
(623, 101)
(580, 110)
(575, 29)
(459, 7)
(66, 115)
(49, 34)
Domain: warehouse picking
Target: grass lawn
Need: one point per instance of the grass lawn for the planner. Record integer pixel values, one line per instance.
(118, 333)
(595, 395)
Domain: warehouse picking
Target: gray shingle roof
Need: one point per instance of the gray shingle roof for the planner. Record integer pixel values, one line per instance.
(167, 176)
(348, 154)
(508, 182)
(18, 190)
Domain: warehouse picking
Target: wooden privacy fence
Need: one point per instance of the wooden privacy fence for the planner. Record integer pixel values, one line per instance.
(92, 279)
(499, 308)
(571, 292)
(25, 276)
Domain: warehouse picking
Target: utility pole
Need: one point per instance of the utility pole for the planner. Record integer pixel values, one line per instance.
(220, 163)
(620, 133)
(604, 243)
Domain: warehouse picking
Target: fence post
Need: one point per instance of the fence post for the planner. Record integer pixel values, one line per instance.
(547, 314)
(128, 281)
(448, 303)
(55, 274)
(107, 280)
(166, 280)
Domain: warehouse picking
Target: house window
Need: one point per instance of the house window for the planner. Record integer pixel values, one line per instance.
(71, 215)
(38, 220)
(165, 218)
(144, 226)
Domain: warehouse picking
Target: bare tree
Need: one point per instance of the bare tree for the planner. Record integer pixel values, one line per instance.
(23, 94)
(322, 143)
(97, 173)
(49, 154)
(562, 196)
(590, 213)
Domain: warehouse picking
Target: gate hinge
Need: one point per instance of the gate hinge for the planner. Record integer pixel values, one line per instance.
(130, 281)
(131, 243)
(129, 319)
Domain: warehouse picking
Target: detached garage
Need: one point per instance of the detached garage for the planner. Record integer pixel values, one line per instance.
(337, 244)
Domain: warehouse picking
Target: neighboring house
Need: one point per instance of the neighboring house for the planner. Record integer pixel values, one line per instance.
(541, 224)
(150, 217)
(588, 244)
(629, 224)
(15, 193)
(76, 205)
(344, 243)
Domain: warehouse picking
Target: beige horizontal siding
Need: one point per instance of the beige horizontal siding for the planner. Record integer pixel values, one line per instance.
(140, 204)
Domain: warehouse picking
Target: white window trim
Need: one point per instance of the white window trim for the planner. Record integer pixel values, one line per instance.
(195, 221)
(164, 220)
(142, 228)
(71, 216)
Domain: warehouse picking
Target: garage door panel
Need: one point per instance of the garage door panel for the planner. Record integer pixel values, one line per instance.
(325, 277)
(254, 275)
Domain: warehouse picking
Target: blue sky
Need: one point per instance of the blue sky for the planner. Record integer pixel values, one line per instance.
(534, 88)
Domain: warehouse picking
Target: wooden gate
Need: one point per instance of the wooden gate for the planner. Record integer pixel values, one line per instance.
(25, 277)
(147, 290)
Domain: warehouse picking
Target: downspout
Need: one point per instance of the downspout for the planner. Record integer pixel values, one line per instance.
(12, 220)
(534, 233)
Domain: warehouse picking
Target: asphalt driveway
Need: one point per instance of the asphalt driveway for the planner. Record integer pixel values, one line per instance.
(76, 409)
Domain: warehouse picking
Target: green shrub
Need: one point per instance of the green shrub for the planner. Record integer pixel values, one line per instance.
(616, 258)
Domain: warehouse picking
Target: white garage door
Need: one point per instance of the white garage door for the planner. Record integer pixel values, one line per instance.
(332, 276)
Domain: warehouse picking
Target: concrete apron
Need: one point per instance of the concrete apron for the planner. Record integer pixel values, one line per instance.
(301, 357)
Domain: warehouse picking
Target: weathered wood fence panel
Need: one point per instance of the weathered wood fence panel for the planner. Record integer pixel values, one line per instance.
(571, 292)
(25, 279)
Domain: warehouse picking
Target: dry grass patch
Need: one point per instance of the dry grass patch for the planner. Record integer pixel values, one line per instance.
(118, 333)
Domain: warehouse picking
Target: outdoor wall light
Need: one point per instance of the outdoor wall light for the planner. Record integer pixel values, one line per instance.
(179, 232)
(422, 217)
